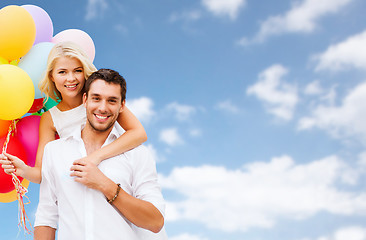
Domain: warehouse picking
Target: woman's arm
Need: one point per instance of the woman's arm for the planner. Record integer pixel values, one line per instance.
(47, 133)
(13, 164)
(134, 136)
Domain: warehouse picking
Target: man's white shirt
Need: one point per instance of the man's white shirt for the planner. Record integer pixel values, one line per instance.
(79, 212)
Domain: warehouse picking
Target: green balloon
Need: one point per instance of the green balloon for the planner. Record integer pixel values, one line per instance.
(49, 104)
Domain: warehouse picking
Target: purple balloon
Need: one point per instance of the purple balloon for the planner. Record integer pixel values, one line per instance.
(44, 26)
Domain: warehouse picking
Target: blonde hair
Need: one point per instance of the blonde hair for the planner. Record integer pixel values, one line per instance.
(63, 49)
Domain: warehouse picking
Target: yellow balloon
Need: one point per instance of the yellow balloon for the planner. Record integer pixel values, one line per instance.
(16, 92)
(12, 196)
(18, 32)
(3, 61)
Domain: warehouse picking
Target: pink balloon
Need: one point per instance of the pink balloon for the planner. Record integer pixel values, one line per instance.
(79, 37)
(27, 134)
(44, 26)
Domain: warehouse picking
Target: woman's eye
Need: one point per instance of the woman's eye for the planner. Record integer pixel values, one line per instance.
(79, 70)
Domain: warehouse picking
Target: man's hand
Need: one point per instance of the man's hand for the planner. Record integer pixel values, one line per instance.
(87, 173)
(12, 164)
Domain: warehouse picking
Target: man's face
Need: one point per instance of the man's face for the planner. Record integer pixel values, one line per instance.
(103, 104)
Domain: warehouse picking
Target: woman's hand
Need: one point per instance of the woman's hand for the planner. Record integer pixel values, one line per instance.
(91, 158)
(12, 164)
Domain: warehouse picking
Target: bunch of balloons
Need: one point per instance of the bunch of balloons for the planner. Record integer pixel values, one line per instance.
(26, 38)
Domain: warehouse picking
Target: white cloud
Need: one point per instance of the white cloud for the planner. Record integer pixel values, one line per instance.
(224, 8)
(227, 106)
(303, 17)
(170, 136)
(346, 54)
(157, 158)
(313, 88)
(346, 233)
(261, 193)
(346, 120)
(187, 236)
(142, 108)
(350, 233)
(182, 112)
(279, 97)
(95, 8)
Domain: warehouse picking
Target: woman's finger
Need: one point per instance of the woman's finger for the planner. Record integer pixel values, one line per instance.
(7, 166)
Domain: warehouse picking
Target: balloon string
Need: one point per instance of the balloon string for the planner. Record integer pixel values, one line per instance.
(20, 189)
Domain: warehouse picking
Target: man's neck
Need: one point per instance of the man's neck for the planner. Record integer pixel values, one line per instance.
(93, 139)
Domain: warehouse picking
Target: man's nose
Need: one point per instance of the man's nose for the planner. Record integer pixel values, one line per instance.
(102, 107)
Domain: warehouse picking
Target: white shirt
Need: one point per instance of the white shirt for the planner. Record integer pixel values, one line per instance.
(83, 213)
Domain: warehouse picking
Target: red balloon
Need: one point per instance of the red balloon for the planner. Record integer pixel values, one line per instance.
(14, 148)
(36, 106)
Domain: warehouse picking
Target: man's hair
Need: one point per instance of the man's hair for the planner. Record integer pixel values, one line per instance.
(110, 76)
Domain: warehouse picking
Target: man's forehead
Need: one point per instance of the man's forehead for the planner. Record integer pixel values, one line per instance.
(101, 87)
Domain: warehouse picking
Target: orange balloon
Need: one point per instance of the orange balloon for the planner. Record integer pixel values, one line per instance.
(12, 196)
(18, 32)
(4, 127)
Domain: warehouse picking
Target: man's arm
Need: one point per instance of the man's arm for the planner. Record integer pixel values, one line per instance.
(44, 233)
(141, 213)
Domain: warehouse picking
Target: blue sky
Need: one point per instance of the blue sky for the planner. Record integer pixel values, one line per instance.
(255, 110)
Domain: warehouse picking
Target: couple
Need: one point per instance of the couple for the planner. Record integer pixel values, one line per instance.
(98, 203)
(118, 199)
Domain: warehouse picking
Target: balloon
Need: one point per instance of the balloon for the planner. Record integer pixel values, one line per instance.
(79, 37)
(50, 104)
(35, 64)
(14, 148)
(36, 106)
(16, 92)
(18, 32)
(14, 62)
(44, 26)
(3, 61)
(4, 127)
(12, 196)
(27, 134)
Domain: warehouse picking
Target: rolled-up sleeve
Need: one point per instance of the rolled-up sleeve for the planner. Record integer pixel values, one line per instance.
(145, 182)
(47, 211)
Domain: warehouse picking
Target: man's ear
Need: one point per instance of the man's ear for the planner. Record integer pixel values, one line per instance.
(84, 99)
(123, 105)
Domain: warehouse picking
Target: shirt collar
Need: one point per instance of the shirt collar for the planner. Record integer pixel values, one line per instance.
(113, 135)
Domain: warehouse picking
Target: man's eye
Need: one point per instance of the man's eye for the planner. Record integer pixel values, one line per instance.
(95, 98)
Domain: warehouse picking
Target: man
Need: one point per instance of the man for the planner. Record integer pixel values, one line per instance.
(112, 201)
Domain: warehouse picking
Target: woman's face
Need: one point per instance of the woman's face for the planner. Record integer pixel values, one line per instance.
(68, 76)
